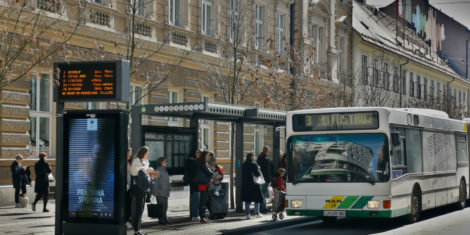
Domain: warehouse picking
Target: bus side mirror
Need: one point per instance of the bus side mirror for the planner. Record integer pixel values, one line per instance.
(395, 139)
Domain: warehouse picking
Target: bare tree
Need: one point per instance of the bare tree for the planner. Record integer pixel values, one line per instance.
(31, 34)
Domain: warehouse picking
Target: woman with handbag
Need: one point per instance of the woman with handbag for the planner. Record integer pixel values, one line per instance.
(252, 179)
(204, 178)
(42, 169)
(140, 163)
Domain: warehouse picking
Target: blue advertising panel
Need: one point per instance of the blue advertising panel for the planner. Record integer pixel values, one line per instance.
(93, 155)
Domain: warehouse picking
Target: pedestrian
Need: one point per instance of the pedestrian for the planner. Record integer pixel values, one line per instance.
(267, 168)
(283, 164)
(191, 167)
(162, 191)
(279, 183)
(42, 169)
(19, 178)
(251, 191)
(128, 209)
(204, 176)
(217, 204)
(140, 163)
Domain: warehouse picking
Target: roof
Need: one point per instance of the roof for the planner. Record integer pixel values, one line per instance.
(217, 112)
(378, 28)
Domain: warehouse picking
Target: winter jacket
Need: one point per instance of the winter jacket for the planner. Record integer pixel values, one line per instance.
(192, 166)
(267, 167)
(279, 183)
(206, 169)
(42, 169)
(251, 192)
(161, 185)
(18, 175)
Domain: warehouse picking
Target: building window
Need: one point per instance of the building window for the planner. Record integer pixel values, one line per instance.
(418, 90)
(403, 82)
(412, 85)
(207, 17)
(141, 8)
(173, 98)
(396, 81)
(259, 34)
(175, 12)
(319, 45)
(455, 96)
(425, 88)
(137, 96)
(235, 23)
(438, 94)
(460, 98)
(40, 114)
(205, 130)
(280, 32)
(386, 76)
(431, 89)
(341, 54)
(375, 73)
(91, 105)
(364, 72)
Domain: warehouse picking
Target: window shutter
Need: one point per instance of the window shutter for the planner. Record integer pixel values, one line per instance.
(184, 13)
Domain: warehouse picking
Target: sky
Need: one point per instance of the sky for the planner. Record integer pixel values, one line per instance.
(458, 9)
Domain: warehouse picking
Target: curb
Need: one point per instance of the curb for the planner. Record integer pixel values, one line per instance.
(183, 219)
(269, 225)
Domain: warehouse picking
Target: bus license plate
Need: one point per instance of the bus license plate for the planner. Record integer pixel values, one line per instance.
(334, 213)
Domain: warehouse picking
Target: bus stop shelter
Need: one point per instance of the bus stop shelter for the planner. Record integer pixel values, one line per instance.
(215, 112)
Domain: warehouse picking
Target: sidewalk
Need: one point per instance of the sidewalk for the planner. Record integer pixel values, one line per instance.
(25, 221)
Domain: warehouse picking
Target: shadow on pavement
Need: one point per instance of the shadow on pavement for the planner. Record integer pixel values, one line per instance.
(16, 214)
(36, 217)
(43, 226)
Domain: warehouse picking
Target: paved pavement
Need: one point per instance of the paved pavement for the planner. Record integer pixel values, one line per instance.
(25, 221)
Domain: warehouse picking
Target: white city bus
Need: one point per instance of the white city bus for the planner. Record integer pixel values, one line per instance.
(374, 162)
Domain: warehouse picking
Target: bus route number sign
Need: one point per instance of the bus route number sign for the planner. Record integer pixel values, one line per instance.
(335, 121)
(92, 81)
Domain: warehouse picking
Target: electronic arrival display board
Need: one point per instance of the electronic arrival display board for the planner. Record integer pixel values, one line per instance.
(92, 81)
(94, 151)
(335, 121)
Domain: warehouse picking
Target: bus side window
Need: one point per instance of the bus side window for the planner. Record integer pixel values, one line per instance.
(414, 155)
(461, 144)
(399, 154)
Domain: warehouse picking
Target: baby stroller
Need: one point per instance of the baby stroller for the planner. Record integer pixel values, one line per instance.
(278, 204)
(218, 205)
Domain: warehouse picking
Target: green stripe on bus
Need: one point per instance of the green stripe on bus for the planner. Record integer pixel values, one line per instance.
(362, 202)
(348, 202)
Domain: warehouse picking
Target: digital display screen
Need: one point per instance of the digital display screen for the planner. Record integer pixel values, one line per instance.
(335, 121)
(79, 81)
(91, 161)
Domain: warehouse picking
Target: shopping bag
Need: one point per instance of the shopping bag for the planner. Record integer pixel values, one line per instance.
(24, 200)
(153, 210)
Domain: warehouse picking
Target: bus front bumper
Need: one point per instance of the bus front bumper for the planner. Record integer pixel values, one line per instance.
(351, 213)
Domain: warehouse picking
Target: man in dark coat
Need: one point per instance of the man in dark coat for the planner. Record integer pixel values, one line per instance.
(18, 175)
(191, 168)
(251, 192)
(267, 168)
(42, 169)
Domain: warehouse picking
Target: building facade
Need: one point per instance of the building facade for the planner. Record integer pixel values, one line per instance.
(175, 48)
(399, 68)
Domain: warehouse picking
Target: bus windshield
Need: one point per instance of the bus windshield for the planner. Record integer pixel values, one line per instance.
(339, 158)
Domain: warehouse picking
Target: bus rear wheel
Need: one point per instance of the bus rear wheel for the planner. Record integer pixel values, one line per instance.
(415, 212)
(462, 195)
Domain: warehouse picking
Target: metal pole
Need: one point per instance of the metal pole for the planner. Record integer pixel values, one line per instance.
(193, 124)
(276, 147)
(59, 166)
(238, 165)
(136, 140)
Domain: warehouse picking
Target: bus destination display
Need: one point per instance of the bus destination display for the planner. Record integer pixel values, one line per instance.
(335, 121)
(92, 81)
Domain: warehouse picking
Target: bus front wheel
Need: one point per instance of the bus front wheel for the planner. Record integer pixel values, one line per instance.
(462, 195)
(415, 212)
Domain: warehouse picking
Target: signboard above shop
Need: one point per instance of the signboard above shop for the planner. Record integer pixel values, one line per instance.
(335, 121)
(92, 81)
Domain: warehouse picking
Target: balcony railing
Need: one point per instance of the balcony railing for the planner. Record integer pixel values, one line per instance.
(179, 38)
(53, 6)
(100, 17)
(143, 29)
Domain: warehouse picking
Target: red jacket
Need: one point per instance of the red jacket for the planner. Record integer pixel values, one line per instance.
(279, 183)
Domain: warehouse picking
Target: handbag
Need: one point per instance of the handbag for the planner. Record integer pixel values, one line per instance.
(154, 210)
(202, 178)
(259, 179)
(50, 177)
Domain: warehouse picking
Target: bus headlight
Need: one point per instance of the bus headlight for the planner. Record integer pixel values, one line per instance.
(373, 204)
(297, 203)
